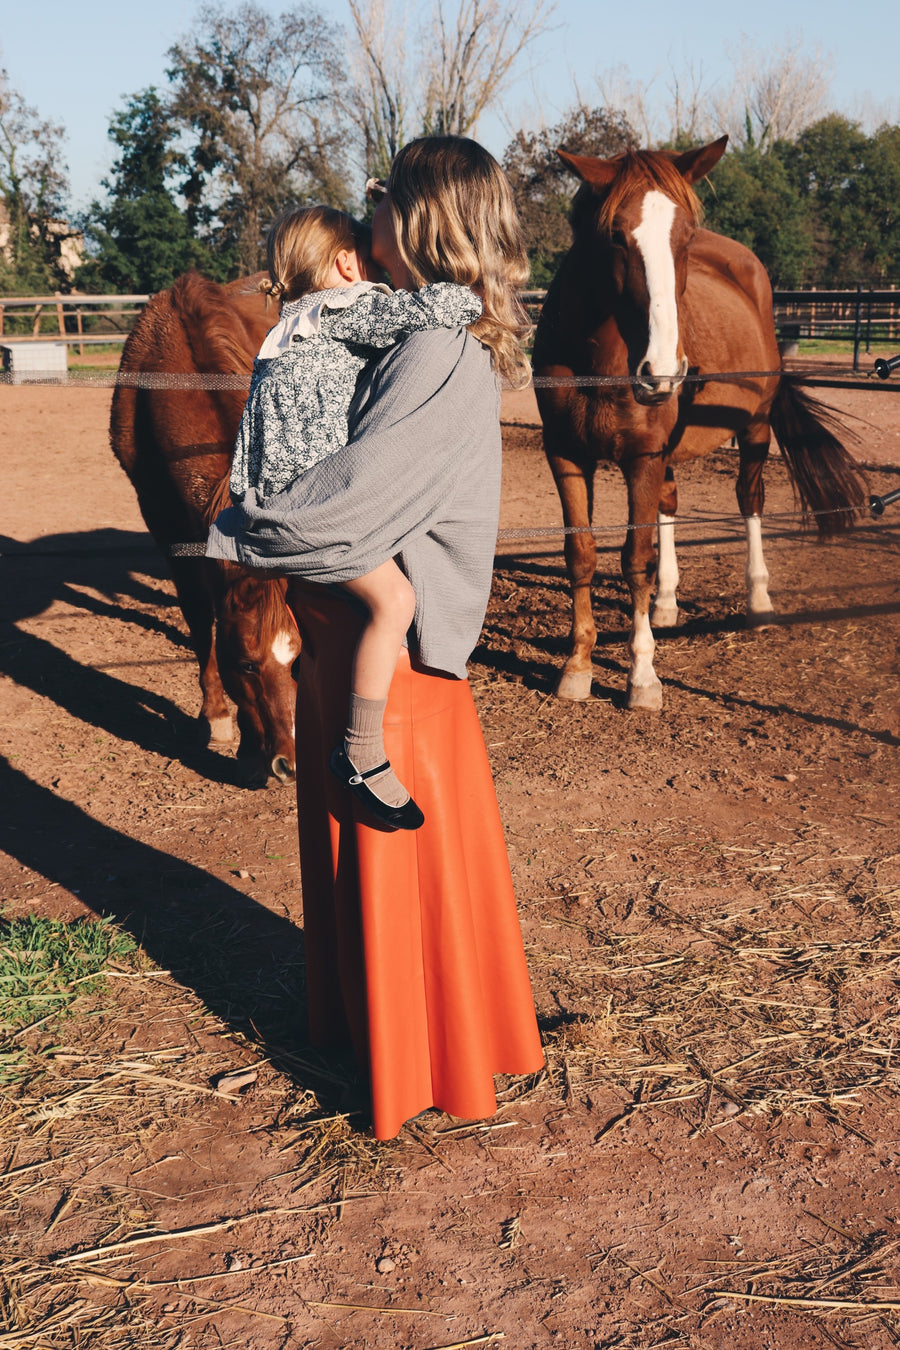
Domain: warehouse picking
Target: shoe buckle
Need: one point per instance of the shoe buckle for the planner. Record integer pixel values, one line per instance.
(355, 781)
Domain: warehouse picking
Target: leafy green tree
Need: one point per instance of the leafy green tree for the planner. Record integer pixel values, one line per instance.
(140, 239)
(33, 187)
(880, 192)
(258, 97)
(851, 185)
(544, 187)
(753, 198)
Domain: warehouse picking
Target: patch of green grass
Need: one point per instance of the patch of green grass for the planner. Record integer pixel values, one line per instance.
(45, 964)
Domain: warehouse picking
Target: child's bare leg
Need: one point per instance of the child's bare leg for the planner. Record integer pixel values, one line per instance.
(391, 603)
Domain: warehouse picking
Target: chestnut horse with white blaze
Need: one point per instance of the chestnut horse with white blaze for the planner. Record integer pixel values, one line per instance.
(176, 445)
(645, 293)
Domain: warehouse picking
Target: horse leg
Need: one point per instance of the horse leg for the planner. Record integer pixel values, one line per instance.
(575, 486)
(644, 477)
(665, 604)
(196, 603)
(751, 497)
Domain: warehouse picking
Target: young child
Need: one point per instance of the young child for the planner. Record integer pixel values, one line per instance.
(334, 321)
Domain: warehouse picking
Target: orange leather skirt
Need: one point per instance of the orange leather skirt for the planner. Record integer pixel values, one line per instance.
(413, 947)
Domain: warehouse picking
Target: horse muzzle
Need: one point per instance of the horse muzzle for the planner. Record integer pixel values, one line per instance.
(649, 388)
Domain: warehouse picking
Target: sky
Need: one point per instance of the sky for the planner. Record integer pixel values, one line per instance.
(76, 64)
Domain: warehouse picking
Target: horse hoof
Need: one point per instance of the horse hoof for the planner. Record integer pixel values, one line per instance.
(574, 685)
(664, 616)
(764, 618)
(645, 697)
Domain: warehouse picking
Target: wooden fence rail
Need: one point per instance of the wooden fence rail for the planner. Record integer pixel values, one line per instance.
(102, 308)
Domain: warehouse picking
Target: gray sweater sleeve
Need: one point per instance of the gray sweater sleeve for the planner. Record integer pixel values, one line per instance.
(420, 478)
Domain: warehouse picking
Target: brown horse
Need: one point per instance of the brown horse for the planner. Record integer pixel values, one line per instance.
(175, 444)
(645, 293)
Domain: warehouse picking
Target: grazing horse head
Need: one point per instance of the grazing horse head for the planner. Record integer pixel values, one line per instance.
(256, 645)
(640, 211)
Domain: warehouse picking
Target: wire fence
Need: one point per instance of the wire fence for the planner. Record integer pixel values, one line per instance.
(192, 381)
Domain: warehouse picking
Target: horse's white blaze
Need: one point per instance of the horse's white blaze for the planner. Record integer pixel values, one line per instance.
(665, 606)
(654, 239)
(284, 649)
(757, 574)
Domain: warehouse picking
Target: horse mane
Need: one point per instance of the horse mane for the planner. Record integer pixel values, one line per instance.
(653, 170)
(247, 593)
(219, 498)
(225, 326)
(262, 597)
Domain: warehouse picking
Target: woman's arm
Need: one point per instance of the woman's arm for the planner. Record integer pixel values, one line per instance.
(426, 400)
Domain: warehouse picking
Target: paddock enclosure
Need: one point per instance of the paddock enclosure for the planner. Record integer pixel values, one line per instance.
(710, 900)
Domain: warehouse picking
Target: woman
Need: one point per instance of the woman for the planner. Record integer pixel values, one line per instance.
(413, 945)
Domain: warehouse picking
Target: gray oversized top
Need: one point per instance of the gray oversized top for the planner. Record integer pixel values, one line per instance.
(419, 480)
(304, 378)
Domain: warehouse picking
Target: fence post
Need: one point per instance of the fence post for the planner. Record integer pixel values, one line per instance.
(857, 327)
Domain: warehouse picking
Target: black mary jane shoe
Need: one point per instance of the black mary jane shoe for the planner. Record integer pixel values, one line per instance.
(405, 817)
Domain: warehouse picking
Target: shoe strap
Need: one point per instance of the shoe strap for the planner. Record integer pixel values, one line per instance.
(369, 773)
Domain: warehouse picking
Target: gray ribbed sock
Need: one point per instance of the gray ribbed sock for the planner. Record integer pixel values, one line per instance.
(364, 744)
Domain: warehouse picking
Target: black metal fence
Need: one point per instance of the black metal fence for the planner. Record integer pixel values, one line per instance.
(864, 317)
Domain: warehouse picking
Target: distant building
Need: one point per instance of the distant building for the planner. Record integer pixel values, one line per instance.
(67, 243)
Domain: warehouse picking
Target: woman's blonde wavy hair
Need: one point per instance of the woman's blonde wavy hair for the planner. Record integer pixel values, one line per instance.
(455, 220)
(302, 245)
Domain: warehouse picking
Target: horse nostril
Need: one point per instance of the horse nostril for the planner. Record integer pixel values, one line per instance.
(283, 769)
(646, 376)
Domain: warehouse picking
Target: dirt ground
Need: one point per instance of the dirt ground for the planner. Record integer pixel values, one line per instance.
(710, 901)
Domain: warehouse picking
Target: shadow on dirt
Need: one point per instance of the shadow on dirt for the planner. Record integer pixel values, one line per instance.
(53, 570)
(245, 963)
(56, 567)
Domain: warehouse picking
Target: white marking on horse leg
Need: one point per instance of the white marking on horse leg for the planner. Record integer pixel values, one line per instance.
(757, 575)
(644, 688)
(654, 240)
(221, 730)
(284, 649)
(665, 606)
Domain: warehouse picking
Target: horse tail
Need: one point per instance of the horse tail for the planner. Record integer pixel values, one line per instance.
(829, 482)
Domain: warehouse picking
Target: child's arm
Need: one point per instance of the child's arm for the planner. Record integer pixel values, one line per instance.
(380, 318)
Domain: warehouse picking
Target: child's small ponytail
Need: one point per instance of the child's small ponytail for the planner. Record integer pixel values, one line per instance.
(271, 289)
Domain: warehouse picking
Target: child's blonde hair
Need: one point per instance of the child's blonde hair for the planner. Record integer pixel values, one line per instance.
(455, 220)
(302, 246)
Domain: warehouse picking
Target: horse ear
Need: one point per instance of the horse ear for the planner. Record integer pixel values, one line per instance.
(598, 172)
(696, 164)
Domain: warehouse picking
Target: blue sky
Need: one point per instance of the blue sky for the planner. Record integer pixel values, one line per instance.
(76, 63)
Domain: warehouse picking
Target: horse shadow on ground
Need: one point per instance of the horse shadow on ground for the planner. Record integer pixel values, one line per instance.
(53, 570)
(245, 963)
(535, 660)
(56, 567)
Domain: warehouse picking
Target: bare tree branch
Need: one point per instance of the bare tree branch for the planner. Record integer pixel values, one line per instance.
(381, 81)
(469, 59)
(774, 94)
